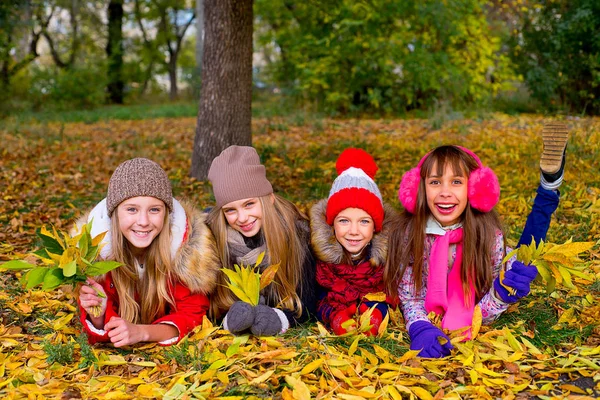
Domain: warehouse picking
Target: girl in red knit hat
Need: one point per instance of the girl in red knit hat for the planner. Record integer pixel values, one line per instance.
(352, 255)
(449, 247)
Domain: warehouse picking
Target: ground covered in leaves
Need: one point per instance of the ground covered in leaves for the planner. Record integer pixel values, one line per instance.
(548, 346)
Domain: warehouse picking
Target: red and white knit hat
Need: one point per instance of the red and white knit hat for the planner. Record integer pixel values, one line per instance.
(355, 188)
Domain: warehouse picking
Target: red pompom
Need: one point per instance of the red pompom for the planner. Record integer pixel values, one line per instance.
(357, 158)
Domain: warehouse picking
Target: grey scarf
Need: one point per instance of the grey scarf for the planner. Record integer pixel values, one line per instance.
(241, 253)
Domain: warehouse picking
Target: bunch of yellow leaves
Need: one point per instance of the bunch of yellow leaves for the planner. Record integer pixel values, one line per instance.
(65, 260)
(246, 282)
(555, 262)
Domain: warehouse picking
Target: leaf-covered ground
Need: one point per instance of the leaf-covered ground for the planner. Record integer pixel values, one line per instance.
(548, 346)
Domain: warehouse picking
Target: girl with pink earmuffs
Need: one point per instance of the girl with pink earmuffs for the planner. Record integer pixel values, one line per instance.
(451, 224)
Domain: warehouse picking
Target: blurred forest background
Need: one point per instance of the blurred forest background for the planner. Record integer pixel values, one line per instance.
(338, 58)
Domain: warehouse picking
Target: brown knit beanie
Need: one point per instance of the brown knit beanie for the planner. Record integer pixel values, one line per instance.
(237, 174)
(138, 177)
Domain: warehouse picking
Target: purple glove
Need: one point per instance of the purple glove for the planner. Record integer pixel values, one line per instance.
(424, 336)
(519, 277)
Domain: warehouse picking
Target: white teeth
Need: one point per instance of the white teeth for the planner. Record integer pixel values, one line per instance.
(445, 205)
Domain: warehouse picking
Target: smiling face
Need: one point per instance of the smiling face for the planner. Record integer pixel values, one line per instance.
(245, 216)
(141, 219)
(446, 194)
(354, 229)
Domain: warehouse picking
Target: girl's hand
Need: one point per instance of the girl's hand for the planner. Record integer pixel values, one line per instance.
(266, 321)
(239, 317)
(379, 313)
(518, 279)
(93, 300)
(341, 317)
(427, 337)
(123, 333)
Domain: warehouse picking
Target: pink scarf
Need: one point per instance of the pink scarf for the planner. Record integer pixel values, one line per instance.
(445, 295)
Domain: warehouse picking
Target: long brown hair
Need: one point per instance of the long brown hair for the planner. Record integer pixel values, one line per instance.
(284, 246)
(407, 242)
(152, 289)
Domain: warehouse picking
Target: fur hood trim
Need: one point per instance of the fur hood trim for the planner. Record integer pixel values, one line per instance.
(193, 249)
(329, 250)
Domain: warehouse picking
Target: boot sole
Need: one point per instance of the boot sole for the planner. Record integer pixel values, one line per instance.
(555, 137)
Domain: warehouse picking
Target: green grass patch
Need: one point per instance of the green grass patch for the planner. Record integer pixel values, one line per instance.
(87, 356)
(541, 317)
(264, 105)
(59, 353)
(125, 112)
(186, 354)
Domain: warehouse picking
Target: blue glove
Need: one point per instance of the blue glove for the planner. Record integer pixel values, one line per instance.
(519, 277)
(424, 336)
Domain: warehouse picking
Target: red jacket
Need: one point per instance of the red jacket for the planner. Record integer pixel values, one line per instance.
(186, 315)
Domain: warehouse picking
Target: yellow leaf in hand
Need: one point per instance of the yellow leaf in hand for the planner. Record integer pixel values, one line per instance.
(259, 259)
(571, 249)
(365, 320)
(267, 276)
(524, 254)
(510, 290)
(98, 238)
(349, 325)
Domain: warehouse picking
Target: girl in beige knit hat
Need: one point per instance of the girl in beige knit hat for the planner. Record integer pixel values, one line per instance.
(160, 293)
(250, 219)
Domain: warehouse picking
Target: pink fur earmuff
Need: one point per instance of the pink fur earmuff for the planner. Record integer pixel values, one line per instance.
(483, 191)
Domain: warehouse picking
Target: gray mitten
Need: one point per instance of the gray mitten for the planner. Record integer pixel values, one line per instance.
(266, 321)
(239, 317)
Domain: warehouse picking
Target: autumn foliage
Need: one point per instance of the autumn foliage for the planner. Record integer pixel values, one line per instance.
(548, 345)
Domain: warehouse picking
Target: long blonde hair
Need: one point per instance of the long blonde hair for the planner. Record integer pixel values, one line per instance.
(407, 242)
(152, 289)
(284, 246)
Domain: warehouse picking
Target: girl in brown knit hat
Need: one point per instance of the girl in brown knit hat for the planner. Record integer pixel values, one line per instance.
(160, 293)
(250, 219)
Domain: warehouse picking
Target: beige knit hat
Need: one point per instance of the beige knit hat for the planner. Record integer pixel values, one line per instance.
(138, 177)
(237, 174)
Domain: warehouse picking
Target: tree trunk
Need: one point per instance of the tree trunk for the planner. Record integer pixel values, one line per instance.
(172, 67)
(114, 51)
(22, 50)
(4, 75)
(199, 35)
(147, 77)
(224, 115)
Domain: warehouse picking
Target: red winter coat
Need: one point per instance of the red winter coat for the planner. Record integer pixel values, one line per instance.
(346, 285)
(186, 315)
